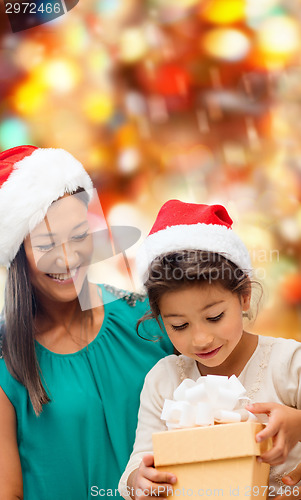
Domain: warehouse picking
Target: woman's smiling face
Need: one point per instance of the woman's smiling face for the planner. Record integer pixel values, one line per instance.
(204, 322)
(59, 250)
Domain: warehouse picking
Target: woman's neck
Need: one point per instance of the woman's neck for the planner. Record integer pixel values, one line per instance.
(64, 328)
(51, 314)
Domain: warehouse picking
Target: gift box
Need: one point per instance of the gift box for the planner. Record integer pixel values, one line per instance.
(214, 461)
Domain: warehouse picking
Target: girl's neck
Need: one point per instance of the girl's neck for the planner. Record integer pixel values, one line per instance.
(237, 360)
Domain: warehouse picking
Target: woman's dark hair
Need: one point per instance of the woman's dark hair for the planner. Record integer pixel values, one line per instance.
(169, 272)
(18, 331)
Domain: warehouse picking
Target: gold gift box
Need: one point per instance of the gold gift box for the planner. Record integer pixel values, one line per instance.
(214, 461)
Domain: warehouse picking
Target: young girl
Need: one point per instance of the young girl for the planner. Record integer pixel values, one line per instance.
(197, 274)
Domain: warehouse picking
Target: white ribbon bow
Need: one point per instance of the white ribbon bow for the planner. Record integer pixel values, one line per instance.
(210, 399)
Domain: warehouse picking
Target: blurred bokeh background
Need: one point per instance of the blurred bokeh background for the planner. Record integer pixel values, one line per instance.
(198, 100)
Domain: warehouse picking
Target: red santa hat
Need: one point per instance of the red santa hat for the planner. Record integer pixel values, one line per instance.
(30, 180)
(191, 226)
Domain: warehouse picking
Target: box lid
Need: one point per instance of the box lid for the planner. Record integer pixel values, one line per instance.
(214, 442)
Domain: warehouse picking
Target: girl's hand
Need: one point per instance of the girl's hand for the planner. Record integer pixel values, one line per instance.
(150, 482)
(284, 427)
(291, 479)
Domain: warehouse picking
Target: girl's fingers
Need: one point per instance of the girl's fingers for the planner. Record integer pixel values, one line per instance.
(261, 407)
(276, 457)
(148, 471)
(270, 430)
(148, 460)
(147, 488)
(293, 477)
(151, 482)
(159, 477)
(277, 454)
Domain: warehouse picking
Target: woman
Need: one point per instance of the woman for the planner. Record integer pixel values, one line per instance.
(72, 365)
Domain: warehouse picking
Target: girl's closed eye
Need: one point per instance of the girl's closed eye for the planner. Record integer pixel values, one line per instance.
(216, 318)
(179, 327)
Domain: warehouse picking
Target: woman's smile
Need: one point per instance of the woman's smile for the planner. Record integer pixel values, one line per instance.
(64, 278)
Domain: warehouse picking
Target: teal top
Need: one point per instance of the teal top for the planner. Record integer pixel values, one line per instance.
(80, 444)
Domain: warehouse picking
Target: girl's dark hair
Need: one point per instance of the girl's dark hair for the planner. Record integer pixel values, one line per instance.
(18, 330)
(169, 272)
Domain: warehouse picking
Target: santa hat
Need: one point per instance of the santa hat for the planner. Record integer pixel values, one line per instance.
(191, 226)
(30, 180)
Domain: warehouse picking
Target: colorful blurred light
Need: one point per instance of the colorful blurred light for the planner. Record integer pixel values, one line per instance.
(28, 54)
(13, 132)
(133, 45)
(169, 79)
(223, 12)
(129, 160)
(278, 40)
(291, 288)
(98, 107)
(256, 11)
(61, 75)
(109, 7)
(226, 44)
(75, 37)
(186, 4)
(29, 97)
(99, 158)
(98, 62)
(127, 135)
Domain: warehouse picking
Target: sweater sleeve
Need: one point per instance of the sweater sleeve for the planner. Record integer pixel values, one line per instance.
(159, 384)
(286, 362)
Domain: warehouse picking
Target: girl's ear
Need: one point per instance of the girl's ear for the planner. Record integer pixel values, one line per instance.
(245, 302)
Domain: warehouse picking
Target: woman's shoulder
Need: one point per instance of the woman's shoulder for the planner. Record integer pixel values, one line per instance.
(127, 297)
(124, 301)
(124, 310)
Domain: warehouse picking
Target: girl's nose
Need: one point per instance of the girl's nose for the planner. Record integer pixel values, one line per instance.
(202, 339)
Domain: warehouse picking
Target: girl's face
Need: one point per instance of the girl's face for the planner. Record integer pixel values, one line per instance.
(59, 249)
(204, 322)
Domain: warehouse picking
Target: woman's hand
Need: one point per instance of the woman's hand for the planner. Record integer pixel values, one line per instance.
(291, 479)
(149, 482)
(284, 427)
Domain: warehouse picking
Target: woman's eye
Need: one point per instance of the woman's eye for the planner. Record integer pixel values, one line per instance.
(80, 236)
(179, 327)
(45, 248)
(216, 318)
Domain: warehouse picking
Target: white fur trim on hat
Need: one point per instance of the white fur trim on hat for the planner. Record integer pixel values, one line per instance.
(207, 237)
(36, 181)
